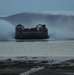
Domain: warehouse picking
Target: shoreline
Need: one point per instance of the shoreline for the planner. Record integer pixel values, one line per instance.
(52, 72)
(37, 71)
(12, 71)
(32, 70)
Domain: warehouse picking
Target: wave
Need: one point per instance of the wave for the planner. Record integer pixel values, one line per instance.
(59, 26)
(32, 70)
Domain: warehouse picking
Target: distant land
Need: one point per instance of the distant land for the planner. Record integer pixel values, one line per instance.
(26, 18)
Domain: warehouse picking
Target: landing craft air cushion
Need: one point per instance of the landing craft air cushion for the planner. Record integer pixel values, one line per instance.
(38, 32)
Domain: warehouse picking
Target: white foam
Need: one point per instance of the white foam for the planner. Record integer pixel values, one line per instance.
(32, 71)
(7, 30)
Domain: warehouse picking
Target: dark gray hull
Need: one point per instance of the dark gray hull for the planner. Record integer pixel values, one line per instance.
(31, 35)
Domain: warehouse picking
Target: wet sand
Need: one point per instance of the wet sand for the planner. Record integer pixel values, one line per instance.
(12, 71)
(52, 72)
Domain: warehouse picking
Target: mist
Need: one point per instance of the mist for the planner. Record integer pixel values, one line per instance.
(57, 31)
(7, 31)
(60, 27)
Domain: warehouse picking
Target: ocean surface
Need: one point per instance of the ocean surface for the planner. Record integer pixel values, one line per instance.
(47, 48)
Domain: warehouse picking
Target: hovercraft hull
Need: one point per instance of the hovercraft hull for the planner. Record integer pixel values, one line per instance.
(31, 35)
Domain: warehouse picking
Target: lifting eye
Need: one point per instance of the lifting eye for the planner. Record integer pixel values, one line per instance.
(38, 26)
(20, 26)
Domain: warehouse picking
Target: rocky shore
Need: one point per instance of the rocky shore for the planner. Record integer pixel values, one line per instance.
(33, 65)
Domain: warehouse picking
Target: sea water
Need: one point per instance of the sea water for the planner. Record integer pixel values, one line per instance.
(38, 48)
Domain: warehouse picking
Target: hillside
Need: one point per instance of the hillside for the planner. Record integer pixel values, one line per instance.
(36, 18)
(24, 18)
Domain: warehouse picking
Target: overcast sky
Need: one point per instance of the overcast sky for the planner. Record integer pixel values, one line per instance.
(9, 7)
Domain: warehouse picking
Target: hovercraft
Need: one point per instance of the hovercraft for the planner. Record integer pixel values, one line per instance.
(38, 32)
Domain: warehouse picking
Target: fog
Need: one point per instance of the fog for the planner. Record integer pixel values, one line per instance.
(7, 31)
(60, 27)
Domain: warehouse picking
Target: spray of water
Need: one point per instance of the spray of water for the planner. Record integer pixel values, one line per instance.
(59, 26)
(7, 31)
